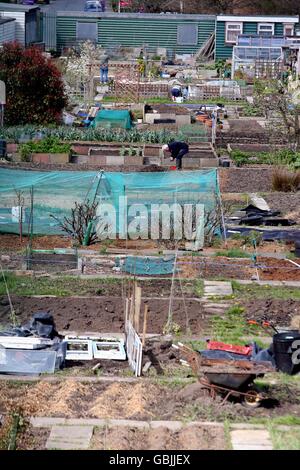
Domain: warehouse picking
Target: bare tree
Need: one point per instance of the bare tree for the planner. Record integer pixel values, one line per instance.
(214, 218)
(283, 116)
(78, 225)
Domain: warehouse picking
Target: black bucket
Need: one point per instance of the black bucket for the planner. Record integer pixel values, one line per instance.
(287, 351)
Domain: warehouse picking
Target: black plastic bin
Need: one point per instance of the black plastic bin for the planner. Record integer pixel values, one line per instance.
(287, 351)
(3, 148)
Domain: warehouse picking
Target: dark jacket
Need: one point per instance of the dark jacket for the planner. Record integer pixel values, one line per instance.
(176, 147)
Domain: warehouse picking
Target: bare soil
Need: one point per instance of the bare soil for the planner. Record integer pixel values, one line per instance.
(11, 242)
(245, 180)
(140, 400)
(32, 438)
(245, 127)
(279, 312)
(103, 314)
(187, 438)
(287, 203)
(237, 268)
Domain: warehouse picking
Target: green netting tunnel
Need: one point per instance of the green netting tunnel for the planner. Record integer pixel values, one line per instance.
(55, 193)
(110, 118)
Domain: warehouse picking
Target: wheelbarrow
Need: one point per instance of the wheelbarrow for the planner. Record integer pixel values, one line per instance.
(229, 378)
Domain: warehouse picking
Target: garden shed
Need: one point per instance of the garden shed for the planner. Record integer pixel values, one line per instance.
(7, 30)
(182, 34)
(230, 27)
(27, 22)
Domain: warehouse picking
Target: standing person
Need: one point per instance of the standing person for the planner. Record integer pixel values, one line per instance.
(102, 3)
(185, 93)
(177, 150)
(104, 69)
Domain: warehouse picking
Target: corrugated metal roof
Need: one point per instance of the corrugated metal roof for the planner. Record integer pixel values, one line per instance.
(145, 16)
(15, 7)
(135, 31)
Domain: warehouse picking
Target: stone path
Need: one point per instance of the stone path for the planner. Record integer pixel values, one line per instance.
(71, 434)
(216, 289)
(251, 439)
(69, 437)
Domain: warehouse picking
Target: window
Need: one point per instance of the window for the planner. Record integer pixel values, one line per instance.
(232, 31)
(288, 30)
(86, 31)
(265, 29)
(187, 35)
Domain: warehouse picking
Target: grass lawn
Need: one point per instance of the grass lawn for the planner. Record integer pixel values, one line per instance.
(285, 440)
(61, 286)
(251, 291)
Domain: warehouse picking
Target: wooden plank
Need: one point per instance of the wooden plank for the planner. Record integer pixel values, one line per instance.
(126, 309)
(137, 308)
(145, 324)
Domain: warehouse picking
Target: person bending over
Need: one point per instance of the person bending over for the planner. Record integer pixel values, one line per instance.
(177, 150)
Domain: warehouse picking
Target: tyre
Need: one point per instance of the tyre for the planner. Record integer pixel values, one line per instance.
(252, 399)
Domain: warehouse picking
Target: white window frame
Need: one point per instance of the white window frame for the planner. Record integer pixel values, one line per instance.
(289, 26)
(262, 25)
(227, 30)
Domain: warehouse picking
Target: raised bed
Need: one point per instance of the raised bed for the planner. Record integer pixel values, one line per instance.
(52, 158)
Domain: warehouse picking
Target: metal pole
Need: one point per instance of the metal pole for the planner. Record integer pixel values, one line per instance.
(1, 115)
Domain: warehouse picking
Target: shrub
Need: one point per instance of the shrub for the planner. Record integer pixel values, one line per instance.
(233, 253)
(48, 145)
(279, 157)
(251, 110)
(285, 180)
(34, 86)
(249, 238)
(240, 158)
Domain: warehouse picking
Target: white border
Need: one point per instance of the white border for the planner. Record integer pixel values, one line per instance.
(259, 19)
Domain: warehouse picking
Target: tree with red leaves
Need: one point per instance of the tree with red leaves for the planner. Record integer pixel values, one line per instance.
(34, 86)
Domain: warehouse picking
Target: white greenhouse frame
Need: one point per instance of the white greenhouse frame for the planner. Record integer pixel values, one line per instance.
(245, 57)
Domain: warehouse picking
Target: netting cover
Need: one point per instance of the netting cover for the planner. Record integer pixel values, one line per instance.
(141, 265)
(56, 192)
(108, 118)
(150, 189)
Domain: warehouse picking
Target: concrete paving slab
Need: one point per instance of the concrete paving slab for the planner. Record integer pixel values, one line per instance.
(250, 438)
(217, 288)
(45, 422)
(172, 425)
(216, 305)
(246, 426)
(251, 447)
(128, 422)
(216, 311)
(70, 437)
